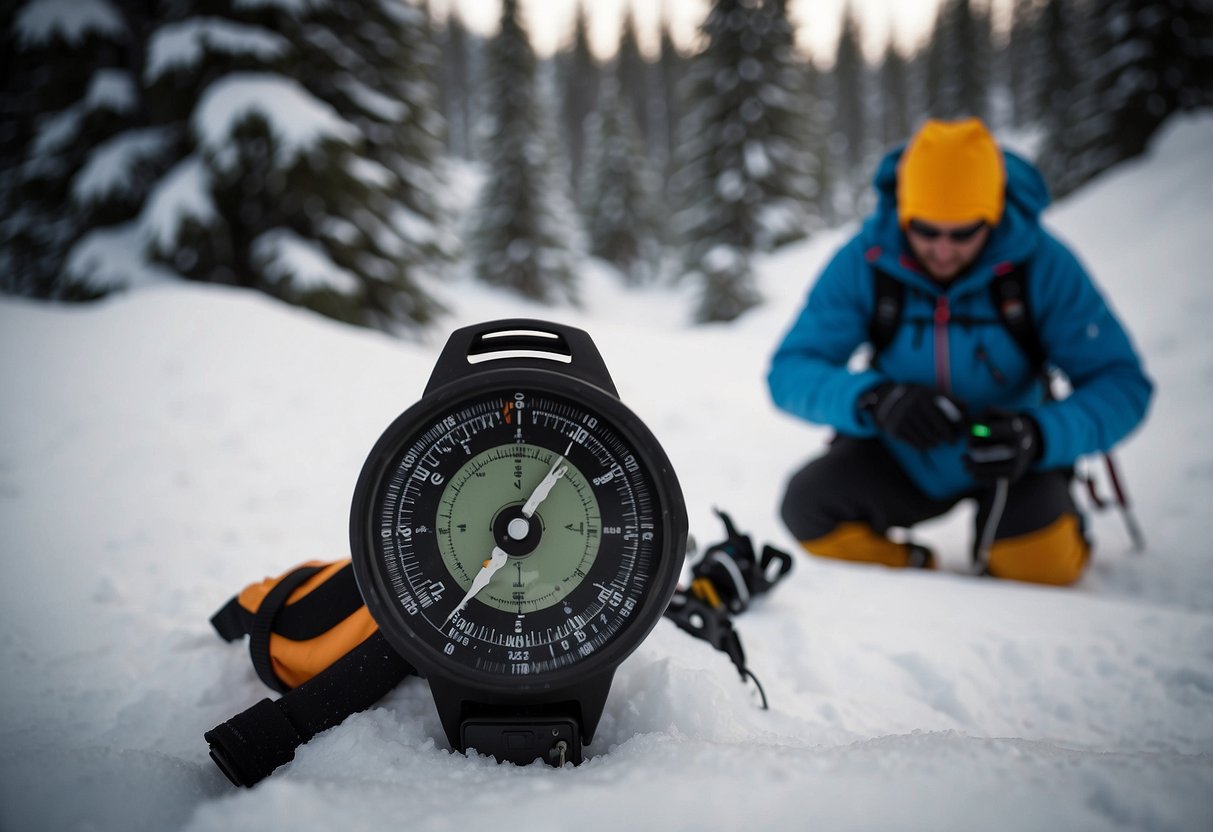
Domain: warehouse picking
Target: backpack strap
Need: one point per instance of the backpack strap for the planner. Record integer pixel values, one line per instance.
(886, 317)
(1009, 294)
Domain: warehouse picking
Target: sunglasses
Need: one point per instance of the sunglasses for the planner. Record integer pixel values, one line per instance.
(959, 235)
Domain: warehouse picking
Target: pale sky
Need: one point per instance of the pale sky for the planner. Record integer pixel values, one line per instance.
(550, 22)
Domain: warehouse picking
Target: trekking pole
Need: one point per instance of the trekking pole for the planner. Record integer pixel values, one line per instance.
(981, 556)
(1122, 500)
(981, 564)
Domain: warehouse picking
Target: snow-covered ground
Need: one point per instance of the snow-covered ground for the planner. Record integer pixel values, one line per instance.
(163, 448)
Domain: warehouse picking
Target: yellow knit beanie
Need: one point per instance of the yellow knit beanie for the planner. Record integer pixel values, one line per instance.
(952, 171)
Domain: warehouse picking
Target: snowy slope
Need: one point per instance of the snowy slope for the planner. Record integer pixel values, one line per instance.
(162, 449)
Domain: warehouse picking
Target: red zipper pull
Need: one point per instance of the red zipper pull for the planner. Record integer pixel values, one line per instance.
(942, 313)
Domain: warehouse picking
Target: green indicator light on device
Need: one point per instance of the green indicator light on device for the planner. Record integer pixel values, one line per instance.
(982, 431)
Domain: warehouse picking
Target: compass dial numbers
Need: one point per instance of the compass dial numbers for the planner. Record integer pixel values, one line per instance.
(579, 564)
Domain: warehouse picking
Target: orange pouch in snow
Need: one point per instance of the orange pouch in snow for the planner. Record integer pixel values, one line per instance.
(311, 639)
(299, 623)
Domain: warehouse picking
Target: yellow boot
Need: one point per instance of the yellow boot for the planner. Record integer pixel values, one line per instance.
(1056, 554)
(857, 542)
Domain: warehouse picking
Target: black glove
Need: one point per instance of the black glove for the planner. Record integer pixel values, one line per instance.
(915, 414)
(1001, 445)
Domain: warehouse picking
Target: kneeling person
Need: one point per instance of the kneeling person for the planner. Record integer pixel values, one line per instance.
(965, 298)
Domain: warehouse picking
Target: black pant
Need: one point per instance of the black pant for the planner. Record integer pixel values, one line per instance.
(858, 480)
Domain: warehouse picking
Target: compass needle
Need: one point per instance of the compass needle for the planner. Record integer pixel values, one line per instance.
(486, 573)
(545, 485)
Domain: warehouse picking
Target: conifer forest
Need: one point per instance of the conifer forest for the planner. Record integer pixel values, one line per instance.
(307, 150)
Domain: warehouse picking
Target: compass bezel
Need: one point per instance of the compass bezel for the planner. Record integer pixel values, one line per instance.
(669, 514)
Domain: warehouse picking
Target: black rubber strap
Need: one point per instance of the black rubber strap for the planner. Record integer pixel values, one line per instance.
(263, 625)
(545, 342)
(249, 746)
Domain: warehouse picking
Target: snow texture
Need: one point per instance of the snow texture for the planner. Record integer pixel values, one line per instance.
(163, 448)
(55, 132)
(180, 46)
(108, 89)
(371, 173)
(182, 194)
(111, 89)
(302, 264)
(111, 258)
(41, 21)
(373, 102)
(112, 165)
(297, 119)
(412, 227)
(294, 7)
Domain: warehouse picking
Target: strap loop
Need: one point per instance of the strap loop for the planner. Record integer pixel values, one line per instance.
(263, 625)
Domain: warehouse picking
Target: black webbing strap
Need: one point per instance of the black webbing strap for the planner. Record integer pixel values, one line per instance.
(233, 621)
(886, 315)
(314, 614)
(263, 625)
(250, 745)
(1009, 293)
(322, 609)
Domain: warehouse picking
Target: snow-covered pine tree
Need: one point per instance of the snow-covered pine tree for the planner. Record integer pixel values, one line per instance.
(81, 150)
(851, 134)
(455, 84)
(782, 132)
(850, 73)
(377, 70)
(895, 125)
(462, 56)
(819, 87)
(1063, 58)
(720, 197)
(934, 61)
(619, 203)
(960, 62)
(975, 59)
(567, 227)
(517, 240)
(578, 79)
(265, 143)
(1147, 60)
(1023, 74)
(669, 69)
(634, 77)
(314, 148)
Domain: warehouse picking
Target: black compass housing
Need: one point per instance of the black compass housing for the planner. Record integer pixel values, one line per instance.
(523, 669)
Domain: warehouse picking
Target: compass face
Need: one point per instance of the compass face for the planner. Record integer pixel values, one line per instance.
(516, 533)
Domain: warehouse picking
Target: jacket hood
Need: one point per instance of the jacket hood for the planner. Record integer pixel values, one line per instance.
(1013, 240)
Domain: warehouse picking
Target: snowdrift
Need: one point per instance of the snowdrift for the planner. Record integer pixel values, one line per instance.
(163, 448)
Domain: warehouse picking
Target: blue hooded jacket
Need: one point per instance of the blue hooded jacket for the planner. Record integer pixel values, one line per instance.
(944, 343)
